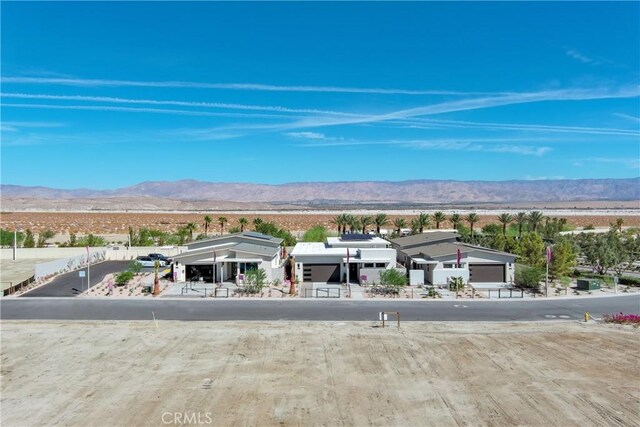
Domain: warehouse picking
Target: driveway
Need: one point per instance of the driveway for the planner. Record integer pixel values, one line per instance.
(71, 284)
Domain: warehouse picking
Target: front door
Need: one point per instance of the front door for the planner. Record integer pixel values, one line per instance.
(353, 273)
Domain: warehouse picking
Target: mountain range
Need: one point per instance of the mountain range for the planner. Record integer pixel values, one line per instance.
(169, 194)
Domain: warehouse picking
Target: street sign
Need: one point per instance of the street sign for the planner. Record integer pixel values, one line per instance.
(82, 273)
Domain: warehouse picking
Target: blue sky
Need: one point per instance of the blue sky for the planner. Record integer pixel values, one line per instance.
(105, 95)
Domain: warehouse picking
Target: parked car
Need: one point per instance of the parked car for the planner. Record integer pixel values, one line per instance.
(146, 261)
(161, 257)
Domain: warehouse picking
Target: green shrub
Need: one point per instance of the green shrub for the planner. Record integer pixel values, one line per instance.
(123, 278)
(456, 284)
(254, 281)
(528, 277)
(629, 281)
(135, 267)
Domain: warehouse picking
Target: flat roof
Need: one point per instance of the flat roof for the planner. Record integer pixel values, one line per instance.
(425, 238)
(374, 240)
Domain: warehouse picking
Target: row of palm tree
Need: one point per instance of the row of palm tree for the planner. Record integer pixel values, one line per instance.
(353, 223)
(359, 223)
(222, 221)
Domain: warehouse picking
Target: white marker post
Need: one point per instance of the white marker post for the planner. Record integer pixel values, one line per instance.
(88, 269)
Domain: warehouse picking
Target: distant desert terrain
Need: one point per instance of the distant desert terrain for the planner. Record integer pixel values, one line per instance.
(295, 221)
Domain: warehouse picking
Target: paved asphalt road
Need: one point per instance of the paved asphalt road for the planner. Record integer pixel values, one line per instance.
(70, 284)
(209, 309)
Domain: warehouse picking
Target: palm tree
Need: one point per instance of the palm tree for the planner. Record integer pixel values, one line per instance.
(365, 221)
(191, 227)
(380, 221)
(354, 223)
(521, 220)
(619, 222)
(455, 220)
(207, 221)
(472, 219)
(439, 217)
(534, 219)
(222, 221)
(505, 219)
(338, 221)
(243, 223)
(415, 226)
(256, 222)
(399, 224)
(423, 221)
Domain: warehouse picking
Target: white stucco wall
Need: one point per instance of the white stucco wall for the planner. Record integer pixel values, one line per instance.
(440, 275)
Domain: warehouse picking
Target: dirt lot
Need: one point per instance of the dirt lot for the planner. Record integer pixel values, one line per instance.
(129, 373)
(118, 223)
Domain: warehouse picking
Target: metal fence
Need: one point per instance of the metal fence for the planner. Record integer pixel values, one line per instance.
(322, 292)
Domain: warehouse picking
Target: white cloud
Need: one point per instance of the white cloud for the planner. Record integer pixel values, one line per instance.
(464, 105)
(108, 99)
(138, 110)
(632, 163)
(497, 145)
(307, 135)
(229, 86)
(544, 178)
(416, 123)
(579, 56)
(635, 119)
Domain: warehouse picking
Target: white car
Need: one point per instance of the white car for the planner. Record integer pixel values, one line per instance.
(146, 261)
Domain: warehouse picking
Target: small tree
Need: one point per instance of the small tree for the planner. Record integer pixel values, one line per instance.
(29, 241)
(255, 280)
(44, 236)
(316, 234)
(243, 223)
(135, 267)
(563, 259)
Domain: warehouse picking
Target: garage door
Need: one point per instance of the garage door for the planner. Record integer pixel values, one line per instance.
(322, 273)
(486, 273)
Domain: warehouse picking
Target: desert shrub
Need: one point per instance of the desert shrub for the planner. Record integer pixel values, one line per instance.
(456, 284)
(254, 281)
(629, 281)
(621, 318)
(123, 278)
(528, 277)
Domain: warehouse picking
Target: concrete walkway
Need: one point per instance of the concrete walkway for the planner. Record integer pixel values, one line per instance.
(357, 291)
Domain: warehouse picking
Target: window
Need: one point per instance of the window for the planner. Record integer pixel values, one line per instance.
(368, 265)
(380, 265)
(448, 265)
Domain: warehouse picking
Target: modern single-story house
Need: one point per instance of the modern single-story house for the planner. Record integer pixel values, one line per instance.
(440, 255)
(355, 258)
(227, 258)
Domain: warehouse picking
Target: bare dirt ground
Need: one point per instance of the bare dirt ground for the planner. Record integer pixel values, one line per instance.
(118, 223)
(301, 373)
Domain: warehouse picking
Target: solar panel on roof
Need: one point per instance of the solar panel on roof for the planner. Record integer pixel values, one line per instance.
(356, 237)
(256, 235)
